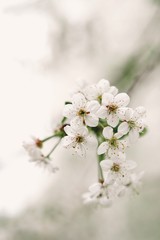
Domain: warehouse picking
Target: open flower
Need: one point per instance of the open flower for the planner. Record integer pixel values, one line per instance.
(77, 138)
(103, 193)
(95, 92)
(118, 169)
(135, 182)
(34, 151)
(113, 146)
(111, 106)
(98, 194)
(82, 112)
(133, 122)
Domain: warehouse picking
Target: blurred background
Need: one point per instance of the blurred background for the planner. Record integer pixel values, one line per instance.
(45, 47)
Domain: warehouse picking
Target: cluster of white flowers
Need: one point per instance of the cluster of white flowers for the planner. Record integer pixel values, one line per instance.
(101, 111)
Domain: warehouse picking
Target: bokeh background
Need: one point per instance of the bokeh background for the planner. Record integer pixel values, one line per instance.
(45, 47)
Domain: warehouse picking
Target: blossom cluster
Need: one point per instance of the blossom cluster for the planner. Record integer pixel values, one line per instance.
(99, 110)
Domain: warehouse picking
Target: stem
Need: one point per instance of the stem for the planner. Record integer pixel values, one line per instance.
(100, 124)
(48, 138)
(100, 173)
(53, 148)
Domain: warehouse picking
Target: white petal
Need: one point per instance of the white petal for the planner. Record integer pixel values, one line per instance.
(106, 164)
(69, 131)
(128, 114)
(104, 201)
(92, 106)
(122, 145)
(122, 99)
(79, 101)
(69, 111)
(94, 188)
(141, 111)
(91, 120)
(113, 119)
(91, 92)
(107, 99)
(123, 128)
(102, 112)
(121, 113)
(108, 132)
(133, 136)
(77, 122)
(82, 131)
(67, 141)
(113, 90)
(114, 152)
(102, 148)
(129, 165)
(103, 86)
(81, 150)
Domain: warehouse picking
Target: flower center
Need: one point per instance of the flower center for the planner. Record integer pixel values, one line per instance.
(131, 124)
(39, 143)
(82, 113)
(113, 142)
(115, 167)
(112, 107)
(99, 98)
(79, 139)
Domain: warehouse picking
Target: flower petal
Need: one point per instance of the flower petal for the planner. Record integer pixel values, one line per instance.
(79, 101)
(122, 99)
(69, 131)
(92, 106)
(129, 165)
(107, 99)
(113, 119)
(102, 112)
(103, 86)
(102, 148)
(123, 128)
(106, 164)
(133, 136)
(108, 132)
(69, 111)
(91, 120)
(80, 150)
(67, 141)
(77, 122)
(113, 90)
(91, 92)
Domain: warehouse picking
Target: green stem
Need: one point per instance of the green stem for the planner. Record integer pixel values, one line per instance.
(100, 124)
(48, 138)
(53, 148)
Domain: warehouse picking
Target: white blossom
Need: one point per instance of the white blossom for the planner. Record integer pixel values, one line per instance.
(34, 151)
(133, 122)
(118, 169)
(77, 138)
(135, 182)
(111, 106)
(113, 146)
(82, 112)
(95, 91)
(103, 193)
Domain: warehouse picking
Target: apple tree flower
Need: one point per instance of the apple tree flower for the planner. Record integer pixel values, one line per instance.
(77, 138)
(111, 106)
(82, 112)
(113, 146)
(34, 151)
(133, 122)
(97, 111)
(118, 169)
